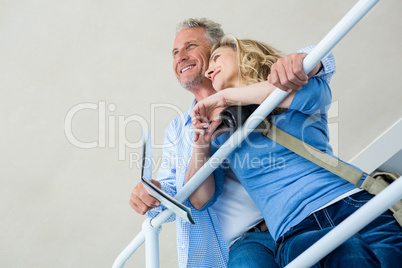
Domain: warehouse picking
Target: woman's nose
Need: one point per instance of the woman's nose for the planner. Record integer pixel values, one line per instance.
(208, 73)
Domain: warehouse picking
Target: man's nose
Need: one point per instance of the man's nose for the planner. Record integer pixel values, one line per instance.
(181, 56)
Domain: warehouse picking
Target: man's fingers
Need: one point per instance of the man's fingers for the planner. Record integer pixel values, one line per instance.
(148, 199)
(141, 201)
(279, 75)
(296, 78)
(287, 73)
(288, 79)
(139, 207)
(297, 68)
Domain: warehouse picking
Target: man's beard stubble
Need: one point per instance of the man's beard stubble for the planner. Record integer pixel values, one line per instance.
(196, 80)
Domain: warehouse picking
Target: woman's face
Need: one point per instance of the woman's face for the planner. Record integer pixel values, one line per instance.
(223, 70)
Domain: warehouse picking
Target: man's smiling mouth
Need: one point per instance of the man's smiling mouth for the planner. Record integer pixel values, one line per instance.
(186, 68)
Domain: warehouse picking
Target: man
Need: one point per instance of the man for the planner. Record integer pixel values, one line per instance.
(206, 244)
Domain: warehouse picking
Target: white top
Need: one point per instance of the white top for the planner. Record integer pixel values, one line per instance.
(236, 211)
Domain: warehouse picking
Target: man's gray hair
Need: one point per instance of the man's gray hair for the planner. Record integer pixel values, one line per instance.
(213, 30)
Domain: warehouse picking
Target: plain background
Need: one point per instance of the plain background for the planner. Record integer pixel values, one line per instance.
(66, 206)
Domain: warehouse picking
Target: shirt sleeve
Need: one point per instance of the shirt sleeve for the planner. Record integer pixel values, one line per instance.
(167, 172)
(315, 97)
(328, 63)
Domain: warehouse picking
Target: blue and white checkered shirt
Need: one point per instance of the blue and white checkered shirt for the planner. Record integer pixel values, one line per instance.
(202, 244)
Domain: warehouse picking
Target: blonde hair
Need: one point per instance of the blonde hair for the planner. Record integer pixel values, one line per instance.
(254, 58)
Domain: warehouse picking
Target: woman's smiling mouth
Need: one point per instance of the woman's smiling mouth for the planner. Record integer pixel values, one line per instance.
(213, 76)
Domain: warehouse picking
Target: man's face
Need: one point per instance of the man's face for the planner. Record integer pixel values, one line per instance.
(191, 51)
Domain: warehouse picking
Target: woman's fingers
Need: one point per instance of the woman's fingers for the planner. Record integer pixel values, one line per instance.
(206, 114)
(199, 129)
(211, 129)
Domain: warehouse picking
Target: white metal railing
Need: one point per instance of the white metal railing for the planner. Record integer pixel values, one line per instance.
(358, 11)
(351, 225)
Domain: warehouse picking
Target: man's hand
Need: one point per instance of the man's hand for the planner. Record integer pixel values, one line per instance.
(141, 201)
(287, 73)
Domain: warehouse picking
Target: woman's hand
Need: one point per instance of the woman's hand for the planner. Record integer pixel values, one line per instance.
(200, 154)
(199, 135)
(205, 116)
(208, 110)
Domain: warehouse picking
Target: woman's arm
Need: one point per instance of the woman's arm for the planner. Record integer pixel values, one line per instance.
(209, 109)
(200, 155)
(253, 94)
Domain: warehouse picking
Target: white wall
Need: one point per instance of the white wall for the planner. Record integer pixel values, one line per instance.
(64, 206)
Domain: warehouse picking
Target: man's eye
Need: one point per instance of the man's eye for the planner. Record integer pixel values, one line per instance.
(190, 45)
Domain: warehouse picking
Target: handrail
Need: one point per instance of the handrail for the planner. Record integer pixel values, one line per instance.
(355, 222)
(358, 11)
(351, 225)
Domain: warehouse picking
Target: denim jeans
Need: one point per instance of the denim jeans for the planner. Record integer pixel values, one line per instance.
(254, 249)
(379, 244)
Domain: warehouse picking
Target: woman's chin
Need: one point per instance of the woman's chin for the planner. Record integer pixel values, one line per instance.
(217, 87)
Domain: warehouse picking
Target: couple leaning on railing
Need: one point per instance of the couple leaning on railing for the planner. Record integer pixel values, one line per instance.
(299, 200)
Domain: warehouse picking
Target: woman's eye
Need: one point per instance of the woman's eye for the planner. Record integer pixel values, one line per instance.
(215, 57)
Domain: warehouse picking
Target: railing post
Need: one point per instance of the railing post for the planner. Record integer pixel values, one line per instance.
(137, 242)
(151, 244)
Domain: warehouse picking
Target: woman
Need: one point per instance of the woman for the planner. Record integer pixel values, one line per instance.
(299, 200)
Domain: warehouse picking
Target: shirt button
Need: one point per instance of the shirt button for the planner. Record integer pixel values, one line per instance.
(183, 246)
